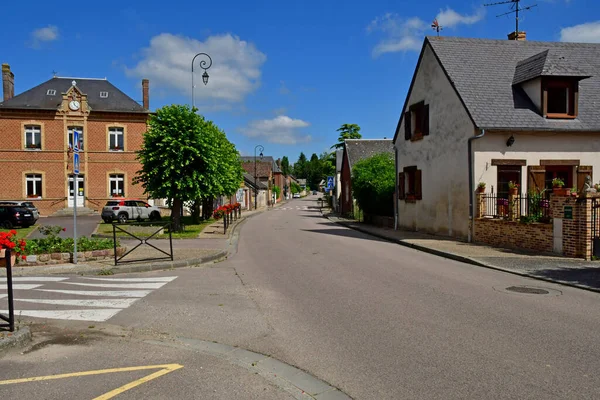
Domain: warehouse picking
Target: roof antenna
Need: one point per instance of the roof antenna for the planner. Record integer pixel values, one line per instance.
(514, 8)
(436, 27)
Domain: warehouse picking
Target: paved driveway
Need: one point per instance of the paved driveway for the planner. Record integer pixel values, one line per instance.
(85, 225)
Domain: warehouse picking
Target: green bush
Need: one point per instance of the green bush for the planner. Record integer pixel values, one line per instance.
(373, 183)
(52, 243)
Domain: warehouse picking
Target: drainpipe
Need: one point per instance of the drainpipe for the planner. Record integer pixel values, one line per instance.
(471, 188)
(396, 191)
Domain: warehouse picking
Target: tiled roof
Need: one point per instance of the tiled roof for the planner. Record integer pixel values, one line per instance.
(483, 71)
(38, 99)
(359, 149)
(263, 169)
(270, 159)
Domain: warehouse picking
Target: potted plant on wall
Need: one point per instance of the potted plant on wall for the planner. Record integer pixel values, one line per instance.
(513, 188)
(481, 187)
(557, 187)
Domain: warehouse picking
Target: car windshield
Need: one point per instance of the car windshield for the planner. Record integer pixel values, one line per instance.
(111, 203)
(28, 204)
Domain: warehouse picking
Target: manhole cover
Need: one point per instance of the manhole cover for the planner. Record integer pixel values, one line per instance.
(526, 290)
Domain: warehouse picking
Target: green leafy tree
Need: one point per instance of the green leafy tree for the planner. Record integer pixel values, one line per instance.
(277, 191)
(373, 183)
(327, 164)
(285, 166)
(301, 167)
(315, 171)
(186, 158)
(295, 188)
(347, 131)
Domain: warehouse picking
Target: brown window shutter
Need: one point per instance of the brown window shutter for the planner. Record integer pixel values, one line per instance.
(582, 172)
(425, 119)
(401, 186)
(418, 186)
(407, 127)
(535, 181)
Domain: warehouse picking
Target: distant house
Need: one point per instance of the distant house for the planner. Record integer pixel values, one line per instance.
(354, 151)
(493, 111)
(248, 191)
(275, 175)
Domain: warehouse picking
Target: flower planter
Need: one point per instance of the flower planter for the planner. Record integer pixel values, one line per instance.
(13, 259)
(560, 191)
(480, 189)
(513, 191)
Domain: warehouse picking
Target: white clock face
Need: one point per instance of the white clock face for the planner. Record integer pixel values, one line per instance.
(74, 105)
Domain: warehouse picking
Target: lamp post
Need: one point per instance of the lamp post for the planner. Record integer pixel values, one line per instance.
(203, 65)
(255, 184)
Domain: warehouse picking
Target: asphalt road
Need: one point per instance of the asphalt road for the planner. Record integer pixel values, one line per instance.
(376, 320)
(86, 224)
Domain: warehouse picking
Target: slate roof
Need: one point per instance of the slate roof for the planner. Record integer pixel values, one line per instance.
(249, 180)
(359, 149)
(483, 71)
(38, 99)
(263, 169)
(270, 159)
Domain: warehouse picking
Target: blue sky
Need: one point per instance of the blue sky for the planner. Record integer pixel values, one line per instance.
(285, 74)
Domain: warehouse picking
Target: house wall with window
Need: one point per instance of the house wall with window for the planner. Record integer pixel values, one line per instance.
(566, 155)
(433, 191)
(36, 151)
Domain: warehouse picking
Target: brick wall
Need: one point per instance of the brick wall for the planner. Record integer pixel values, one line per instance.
(576, 232)
(379, 220)
(514, 235)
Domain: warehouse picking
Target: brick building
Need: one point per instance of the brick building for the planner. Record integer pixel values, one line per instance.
(36, 151)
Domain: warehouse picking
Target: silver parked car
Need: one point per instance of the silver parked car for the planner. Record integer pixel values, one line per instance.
(128, 209)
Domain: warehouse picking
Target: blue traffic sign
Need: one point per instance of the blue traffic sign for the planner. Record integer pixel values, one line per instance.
(76, 163)
(330, 182)
(75, 141)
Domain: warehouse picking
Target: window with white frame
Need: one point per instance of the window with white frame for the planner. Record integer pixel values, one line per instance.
(79, 129)
(117, 185)
(34, 185)
(115, 139)
(33, 137)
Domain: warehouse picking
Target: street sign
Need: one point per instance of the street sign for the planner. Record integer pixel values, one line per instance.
(76, 142)
(76, 163)
(330, 182)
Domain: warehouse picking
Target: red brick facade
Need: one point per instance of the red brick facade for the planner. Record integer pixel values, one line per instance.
(54, 160)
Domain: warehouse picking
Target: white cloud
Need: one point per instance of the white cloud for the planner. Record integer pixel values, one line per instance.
(47, 34)
(588, 32)
(406, 34)
(281, 129)
(235, 71)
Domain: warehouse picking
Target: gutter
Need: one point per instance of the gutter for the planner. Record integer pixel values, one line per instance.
(396, 191)
(471, 188)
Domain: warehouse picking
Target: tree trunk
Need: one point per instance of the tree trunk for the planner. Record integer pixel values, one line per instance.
(196, 211)
(176, 215)
(207, 208)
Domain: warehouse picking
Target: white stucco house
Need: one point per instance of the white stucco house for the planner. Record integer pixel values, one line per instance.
(493, 111)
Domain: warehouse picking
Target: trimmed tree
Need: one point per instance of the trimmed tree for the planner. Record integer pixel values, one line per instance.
(373, 183)
(186, 158)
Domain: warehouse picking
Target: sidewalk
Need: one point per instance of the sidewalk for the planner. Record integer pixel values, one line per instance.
(567, 271)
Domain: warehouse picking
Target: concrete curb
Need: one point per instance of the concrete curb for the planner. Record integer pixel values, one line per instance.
(19, 338)
(296, 382)
(467, 260)
(119, 269)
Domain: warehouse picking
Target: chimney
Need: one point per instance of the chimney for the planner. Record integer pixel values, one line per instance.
(517, 36)
(8, 82)
(145, 94)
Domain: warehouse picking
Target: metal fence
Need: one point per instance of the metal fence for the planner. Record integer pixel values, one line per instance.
(532, 207)
(127, 231)
(596, 228)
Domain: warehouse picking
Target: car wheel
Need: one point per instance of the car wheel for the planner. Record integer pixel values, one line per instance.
(122, 218)
(7, 225)
(106, 220)
(155, 216)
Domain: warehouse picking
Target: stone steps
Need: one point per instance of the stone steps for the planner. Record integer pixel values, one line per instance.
(69, 212)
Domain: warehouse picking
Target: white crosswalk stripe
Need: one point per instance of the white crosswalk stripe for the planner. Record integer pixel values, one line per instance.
(52, 298)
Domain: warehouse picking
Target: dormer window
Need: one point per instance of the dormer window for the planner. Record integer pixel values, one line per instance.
(559, 98)
(51, 92)
(103, 95)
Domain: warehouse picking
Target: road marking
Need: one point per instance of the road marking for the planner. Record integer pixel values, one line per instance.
(99, 315)
(108, 303)
(157, 279)
(126, 293)
(34, 279)
(150, 285)
(22, 286)
(164, 369)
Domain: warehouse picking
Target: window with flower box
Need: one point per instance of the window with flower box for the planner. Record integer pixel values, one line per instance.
(116, 139)
(33, 137)
(33, 184)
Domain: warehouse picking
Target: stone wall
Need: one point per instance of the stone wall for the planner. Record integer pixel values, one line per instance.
(65, 258)
(378, 220)
(514, 235)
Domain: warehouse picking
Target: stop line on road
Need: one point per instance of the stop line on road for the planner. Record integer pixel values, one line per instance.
(305, 208)
(69, 298)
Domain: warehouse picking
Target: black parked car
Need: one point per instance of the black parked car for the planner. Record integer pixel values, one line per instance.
(11, 216)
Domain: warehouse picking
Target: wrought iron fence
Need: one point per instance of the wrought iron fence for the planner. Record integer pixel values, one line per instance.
(596, 228)
(143, 238)
(532, 207)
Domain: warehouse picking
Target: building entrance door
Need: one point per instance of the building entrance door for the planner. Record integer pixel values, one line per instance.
(81, 189)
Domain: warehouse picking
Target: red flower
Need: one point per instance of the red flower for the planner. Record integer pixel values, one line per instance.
(13, 232)
(64, 229)
(24, 257)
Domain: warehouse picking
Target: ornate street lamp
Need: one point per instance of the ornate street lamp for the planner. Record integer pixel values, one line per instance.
(204, 64)
(255, 173)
